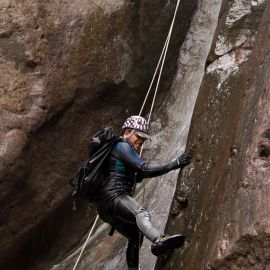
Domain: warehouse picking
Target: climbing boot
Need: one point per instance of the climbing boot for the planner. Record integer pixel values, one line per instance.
(167, 243)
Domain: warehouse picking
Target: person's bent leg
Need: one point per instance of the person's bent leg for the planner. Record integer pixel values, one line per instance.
(129, 210)
(143, 220)
(130, 231)
(132, 254)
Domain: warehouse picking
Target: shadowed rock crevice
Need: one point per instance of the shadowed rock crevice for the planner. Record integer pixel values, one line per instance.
(264, 144)
(87, 67)
(73, 67)
(227, 185)
(44, 178)
(241, 47)
(249, 252)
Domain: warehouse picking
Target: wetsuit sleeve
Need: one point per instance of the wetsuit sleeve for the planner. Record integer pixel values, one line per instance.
(126, 153)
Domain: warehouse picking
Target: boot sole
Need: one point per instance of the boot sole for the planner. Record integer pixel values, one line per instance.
(167, 245)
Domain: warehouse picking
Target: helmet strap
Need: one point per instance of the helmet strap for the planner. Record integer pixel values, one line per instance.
(131, 133)
(129, 136)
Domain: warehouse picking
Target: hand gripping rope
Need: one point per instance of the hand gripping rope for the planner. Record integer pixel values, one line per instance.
(159, 65)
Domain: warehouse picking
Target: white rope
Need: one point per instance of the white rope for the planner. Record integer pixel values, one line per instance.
(154, 76)
(84, 246)
(162, 58)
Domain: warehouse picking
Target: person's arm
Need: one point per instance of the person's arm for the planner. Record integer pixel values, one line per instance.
(126, 153)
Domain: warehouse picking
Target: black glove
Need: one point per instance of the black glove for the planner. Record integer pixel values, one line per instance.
(182, 161)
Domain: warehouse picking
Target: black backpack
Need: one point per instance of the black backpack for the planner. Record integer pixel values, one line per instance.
(90, 179)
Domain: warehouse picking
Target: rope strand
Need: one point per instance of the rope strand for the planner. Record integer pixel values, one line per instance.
(154, 76)
(162, 58)
(84, 246)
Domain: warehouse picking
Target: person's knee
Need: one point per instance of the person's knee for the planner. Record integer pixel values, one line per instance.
(143, 220)
(141, 214)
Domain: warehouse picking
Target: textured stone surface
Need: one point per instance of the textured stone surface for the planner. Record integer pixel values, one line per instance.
(67, 70)
(110, 252)
(227, 217)
(75, 66)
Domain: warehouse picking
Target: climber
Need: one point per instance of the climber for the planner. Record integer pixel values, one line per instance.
(116, 205)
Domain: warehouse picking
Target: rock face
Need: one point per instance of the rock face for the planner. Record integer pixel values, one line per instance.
(227, 217)
(67, 69)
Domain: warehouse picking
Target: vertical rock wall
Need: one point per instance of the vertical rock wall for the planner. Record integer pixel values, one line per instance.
(75, 66)
(177, 109)
(67, 69)
(105, 252)
(227, 216)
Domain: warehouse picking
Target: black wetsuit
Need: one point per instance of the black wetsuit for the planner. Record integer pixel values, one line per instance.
(116, 205)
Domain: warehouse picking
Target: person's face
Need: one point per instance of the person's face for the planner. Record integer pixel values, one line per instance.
(136, 140)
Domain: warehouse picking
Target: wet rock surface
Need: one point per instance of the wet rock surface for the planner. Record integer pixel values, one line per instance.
(169, 136)
(227, 185)
(96, 257)
(74, 66)
(66, 71)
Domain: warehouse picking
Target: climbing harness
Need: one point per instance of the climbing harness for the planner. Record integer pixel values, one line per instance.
(159, 65)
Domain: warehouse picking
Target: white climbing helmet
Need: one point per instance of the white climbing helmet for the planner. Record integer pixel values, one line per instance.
(139, 124)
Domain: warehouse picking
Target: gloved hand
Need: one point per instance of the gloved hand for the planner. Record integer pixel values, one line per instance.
(182, 161)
